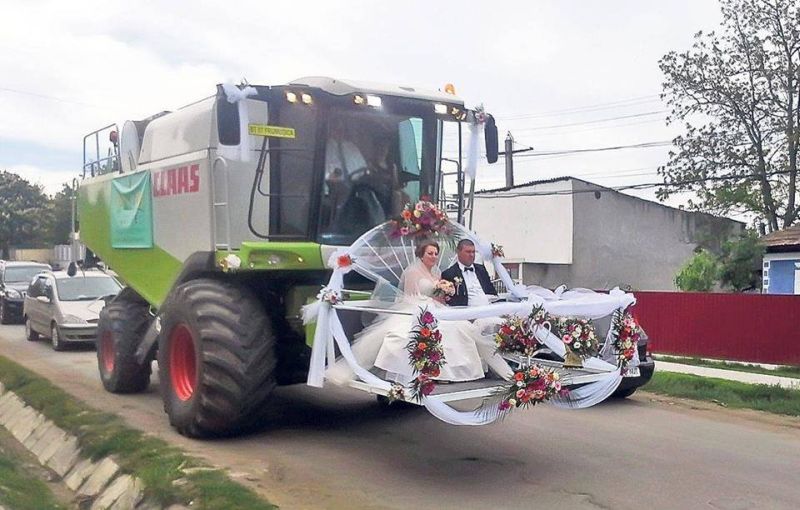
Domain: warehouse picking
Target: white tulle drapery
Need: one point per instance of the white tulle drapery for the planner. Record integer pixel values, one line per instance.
(382, 257)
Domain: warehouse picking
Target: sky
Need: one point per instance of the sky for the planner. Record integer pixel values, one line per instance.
(559, 75)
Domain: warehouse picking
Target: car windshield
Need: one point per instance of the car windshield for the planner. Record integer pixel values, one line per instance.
(22, 273)
(84, 288)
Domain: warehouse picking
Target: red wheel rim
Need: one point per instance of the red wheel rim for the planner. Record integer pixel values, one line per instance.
(107, 351)
(182, 362)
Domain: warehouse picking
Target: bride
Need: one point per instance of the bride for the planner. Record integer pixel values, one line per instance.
(383, 343)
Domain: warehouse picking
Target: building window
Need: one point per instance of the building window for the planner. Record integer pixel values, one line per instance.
(766, 264)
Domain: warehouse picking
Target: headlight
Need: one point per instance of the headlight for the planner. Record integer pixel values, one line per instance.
(13, 293)
(71, 319)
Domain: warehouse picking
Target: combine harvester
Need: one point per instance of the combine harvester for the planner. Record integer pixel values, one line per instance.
(227, 216)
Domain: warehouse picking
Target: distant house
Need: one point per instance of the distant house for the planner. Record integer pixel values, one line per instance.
(571, 231)
(781, 266)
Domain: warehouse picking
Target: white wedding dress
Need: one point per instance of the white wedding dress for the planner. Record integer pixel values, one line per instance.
(383, 343)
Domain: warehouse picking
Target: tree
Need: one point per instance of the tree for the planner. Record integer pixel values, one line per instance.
(739, 261)
(24, 213)
(61, 210)
(738, 96)
(699, 274)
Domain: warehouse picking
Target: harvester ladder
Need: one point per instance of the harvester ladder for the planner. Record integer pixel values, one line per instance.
(220, 174)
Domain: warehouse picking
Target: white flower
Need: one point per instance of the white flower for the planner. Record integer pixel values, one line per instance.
(520, 384)
(576, 345)
(512, 401)
(578, 331)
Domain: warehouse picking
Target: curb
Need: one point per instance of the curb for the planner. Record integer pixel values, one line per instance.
(100, 482)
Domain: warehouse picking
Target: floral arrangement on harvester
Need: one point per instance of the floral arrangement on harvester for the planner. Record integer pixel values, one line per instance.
(444, 289)
(516, 335)
(626, 334)
(425, 354)
(530, 385)
(420, 219)
(579, 338)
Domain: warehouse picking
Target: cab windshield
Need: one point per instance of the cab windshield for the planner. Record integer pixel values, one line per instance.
(84, 288)
(374, 164)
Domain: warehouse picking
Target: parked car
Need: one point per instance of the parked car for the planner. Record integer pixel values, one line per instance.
(66, 308)
(14, 280)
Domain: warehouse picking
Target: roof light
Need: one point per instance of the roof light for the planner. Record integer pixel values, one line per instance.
(291, 97)
(307, 99)
(440, 108)
(450, 89)
(374, 101)
(358, 99)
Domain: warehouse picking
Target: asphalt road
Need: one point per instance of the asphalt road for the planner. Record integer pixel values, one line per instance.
(339, 449)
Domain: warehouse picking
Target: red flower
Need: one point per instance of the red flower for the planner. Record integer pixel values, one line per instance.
(422, 346)
(425, 332)
(435, 372)
(344, 261)
(406, 214)
(519, 376)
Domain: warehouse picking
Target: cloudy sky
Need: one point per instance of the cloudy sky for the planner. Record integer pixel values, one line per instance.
(559, 74)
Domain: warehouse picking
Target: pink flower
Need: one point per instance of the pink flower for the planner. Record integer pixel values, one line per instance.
(504, 405)
(427, 318)
(567, 339)
(403, 231)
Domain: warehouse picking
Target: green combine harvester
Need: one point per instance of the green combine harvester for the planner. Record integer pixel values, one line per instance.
(219, 217)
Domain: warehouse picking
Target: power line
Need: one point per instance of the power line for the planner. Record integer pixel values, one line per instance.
(594, 121)
(640, 186)
(50, 98)
(623, 103)
(644, 145)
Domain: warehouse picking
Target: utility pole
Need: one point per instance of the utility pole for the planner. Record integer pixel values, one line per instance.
(509, 154)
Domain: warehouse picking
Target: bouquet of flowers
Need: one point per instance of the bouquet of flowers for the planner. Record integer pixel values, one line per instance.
(425, 354)
(329, 296)
(516, 336)
(579, 338)
(444, 289)
(423, 218)
(530, 385)
(626, 333)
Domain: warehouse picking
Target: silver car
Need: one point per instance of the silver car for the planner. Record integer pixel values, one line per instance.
(66, 308)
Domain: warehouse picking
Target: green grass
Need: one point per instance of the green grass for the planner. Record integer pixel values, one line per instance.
(737, 395)
(156, 463)
(782, 371)
(20, 489)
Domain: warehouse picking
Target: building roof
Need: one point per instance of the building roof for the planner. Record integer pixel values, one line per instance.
(788, 237)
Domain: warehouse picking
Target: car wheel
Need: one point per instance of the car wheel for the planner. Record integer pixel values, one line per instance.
(30, 334)
(624, 393)
(4, 318)
(55, 338)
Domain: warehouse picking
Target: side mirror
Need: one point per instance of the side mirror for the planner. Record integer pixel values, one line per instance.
(72, 270)
(490, 137)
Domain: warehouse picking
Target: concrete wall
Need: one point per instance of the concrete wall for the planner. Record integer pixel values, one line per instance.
(624, 240)
(534, 229)
(614, 239)
(43, 255)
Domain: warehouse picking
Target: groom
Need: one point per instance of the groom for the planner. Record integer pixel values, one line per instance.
(471, 280)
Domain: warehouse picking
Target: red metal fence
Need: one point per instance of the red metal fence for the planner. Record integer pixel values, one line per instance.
(743, 327)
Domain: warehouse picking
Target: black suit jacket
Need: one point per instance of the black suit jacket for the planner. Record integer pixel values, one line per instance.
(462, 296)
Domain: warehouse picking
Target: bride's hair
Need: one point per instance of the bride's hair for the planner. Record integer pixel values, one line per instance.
(419, 251)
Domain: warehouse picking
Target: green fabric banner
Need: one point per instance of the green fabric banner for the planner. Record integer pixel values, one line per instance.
(131, 212)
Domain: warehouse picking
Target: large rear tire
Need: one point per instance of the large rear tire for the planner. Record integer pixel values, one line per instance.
(216, 359)
(121, 327)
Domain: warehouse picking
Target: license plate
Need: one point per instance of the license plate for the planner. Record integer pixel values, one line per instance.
(632, 372)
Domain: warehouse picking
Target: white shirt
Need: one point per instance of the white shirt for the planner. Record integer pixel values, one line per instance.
(475, 293)
(343, 154)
